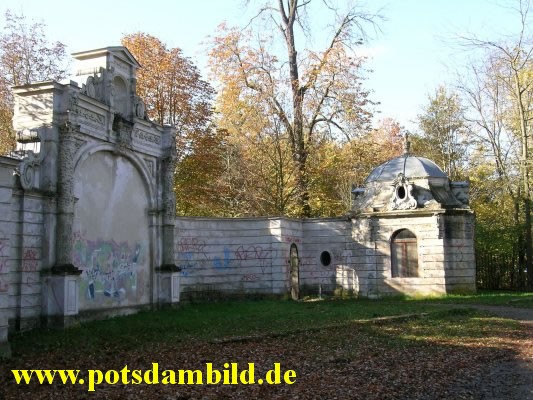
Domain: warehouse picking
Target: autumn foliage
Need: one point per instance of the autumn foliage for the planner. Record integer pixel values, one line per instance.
(26, 57)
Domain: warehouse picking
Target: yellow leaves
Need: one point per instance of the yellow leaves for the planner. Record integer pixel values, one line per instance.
(171, 86)
(174, 93)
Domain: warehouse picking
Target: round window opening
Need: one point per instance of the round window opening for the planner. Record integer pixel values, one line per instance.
(325, 258)
(401, 192)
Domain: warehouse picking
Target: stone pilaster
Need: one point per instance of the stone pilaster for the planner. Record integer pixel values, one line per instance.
(65, 199)
(169, 273)
(62, 284)
(169, 202)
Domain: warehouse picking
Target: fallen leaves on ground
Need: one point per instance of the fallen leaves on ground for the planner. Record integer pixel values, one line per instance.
(360, 361)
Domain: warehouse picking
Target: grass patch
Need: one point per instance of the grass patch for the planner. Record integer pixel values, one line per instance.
(455, 327)
(208, 322)
(496, 298)
(217, 321)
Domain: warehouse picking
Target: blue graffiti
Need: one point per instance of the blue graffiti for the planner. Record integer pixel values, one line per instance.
(187, 263)
(218, 263)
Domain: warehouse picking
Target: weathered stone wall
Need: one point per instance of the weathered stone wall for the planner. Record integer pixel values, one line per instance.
(22, 234)
(7, 236)
(353, 257)
(459, 255)
(229, 256)
(445, 253)
(112, 243)
(431, 274)
(326, 257)
(27, 246)
(252, 255)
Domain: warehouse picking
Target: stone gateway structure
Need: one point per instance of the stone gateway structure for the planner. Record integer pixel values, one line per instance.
(88, 225)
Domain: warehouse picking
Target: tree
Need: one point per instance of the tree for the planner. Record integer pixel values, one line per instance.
(308, 94)
(441, 124)
(172, 88)
(25, 57)
(199, 184)
(175, 94)
(508, 81)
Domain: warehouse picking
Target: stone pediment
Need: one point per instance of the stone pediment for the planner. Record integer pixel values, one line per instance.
(108, 75)
(106, 57)
(117, 51)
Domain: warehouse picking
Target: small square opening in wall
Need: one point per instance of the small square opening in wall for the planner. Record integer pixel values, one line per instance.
(325, 258)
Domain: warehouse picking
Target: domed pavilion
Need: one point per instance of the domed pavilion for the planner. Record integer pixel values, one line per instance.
(416, 229)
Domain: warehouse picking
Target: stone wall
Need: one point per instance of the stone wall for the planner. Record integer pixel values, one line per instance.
(8, 229)
(232, 256)
(445, 246)
(27, 246)
(327, 256)
(112, 238)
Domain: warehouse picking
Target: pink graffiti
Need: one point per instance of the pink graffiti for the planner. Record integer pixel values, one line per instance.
(250, 278)
(191, 244)
(252, 253)
(292, 239)
(29, 260)
(4, 287)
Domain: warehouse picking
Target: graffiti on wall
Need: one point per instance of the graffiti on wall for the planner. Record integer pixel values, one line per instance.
(111, 271)
(30, 260)
(30, 267)
(256, 254)
(190, 252)
(291, 239)
(192, 255)
(4, 287)
(225, 262)
(3, 264)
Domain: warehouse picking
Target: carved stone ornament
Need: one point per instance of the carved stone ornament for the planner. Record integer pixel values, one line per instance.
(140, 108)
(90, 87)
(29, 169)
(402, 196)
(123, 130)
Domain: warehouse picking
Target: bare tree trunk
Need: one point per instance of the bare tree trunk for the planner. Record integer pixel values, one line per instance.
(525, 177)
(298, 138)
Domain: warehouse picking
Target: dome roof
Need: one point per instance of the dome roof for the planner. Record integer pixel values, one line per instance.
(410, 166)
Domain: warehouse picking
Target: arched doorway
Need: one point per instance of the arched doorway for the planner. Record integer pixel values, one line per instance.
(404, 254)
(294, 263)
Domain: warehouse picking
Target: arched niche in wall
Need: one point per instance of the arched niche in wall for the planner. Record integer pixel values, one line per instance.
(111, 232)
(120, 96)
(404, 254)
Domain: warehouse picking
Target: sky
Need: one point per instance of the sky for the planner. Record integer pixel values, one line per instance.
(415, 52)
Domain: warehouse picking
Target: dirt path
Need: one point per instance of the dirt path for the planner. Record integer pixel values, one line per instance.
(510, 379)
(524, 315)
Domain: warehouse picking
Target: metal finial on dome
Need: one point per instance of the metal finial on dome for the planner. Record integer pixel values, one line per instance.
(406, 145)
